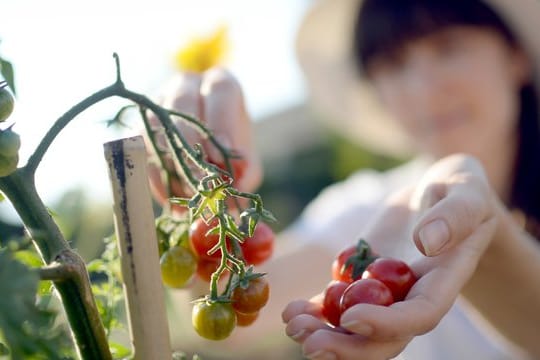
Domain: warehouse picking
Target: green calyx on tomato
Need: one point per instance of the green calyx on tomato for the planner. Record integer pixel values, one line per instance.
(352, 261)
(213, 320)
(6, 102)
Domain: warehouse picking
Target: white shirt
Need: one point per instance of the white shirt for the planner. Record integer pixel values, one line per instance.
(336, 218)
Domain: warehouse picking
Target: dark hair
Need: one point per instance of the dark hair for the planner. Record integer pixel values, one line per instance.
(384, 26)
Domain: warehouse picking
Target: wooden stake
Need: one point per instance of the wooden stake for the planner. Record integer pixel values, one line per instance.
(134, 224)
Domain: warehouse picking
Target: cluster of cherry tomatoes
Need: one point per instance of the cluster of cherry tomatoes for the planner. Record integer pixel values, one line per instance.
(215, 320)
(190, 256)
(360, 276)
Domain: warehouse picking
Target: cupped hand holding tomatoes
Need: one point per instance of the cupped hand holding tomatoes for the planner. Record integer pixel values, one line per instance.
(360, 276)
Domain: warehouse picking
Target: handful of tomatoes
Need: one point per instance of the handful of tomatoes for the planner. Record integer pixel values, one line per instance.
(361, 276)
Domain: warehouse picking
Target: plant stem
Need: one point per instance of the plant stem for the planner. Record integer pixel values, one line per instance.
(74, 286)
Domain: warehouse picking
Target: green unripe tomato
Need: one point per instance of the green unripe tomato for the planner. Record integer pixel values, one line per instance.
(178, 265)
(6, 103)
(10, 143)
(8, 164)
(213, 320)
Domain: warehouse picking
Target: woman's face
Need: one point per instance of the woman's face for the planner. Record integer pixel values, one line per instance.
(456, 90)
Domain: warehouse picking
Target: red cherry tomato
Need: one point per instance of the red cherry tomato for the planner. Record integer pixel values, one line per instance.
(394, 273)
(359, 257)
(339, 272)
(200, 242)
(258, 248)
(246, 319)
(238, 167)
(206, 267)
(252, 298)
(331, 304)
(366, 291)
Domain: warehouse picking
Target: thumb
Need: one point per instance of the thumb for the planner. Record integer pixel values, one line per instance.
(454, 212)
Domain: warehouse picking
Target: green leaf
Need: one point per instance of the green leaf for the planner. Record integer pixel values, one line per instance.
(28, 331)
(119, 351)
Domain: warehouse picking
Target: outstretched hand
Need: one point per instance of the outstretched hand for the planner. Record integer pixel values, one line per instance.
(451, 213)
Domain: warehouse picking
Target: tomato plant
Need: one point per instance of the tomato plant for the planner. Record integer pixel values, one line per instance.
(208, 193)
(394, 273)
(366, 291)
(213, 320)
(331, 309)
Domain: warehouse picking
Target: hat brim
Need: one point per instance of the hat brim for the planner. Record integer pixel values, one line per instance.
(337, 93)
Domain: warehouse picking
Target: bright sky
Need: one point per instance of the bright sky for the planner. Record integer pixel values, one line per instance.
(62, 52)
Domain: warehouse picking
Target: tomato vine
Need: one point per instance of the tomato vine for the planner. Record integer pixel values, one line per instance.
(212, 190)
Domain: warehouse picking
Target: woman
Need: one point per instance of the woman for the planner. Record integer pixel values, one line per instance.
(458, 81)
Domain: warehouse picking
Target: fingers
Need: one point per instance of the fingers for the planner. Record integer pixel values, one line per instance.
(215, 98)
(329, 344)
(225, 114)
(298, 307)
(453, 212)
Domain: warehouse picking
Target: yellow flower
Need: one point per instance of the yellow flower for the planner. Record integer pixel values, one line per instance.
(201, 53)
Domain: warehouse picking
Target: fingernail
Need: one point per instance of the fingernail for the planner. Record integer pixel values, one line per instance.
(434, 236)
(358, 328)
(298, 335)
(322, 355)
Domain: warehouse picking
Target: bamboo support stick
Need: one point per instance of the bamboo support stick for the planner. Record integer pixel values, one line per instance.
(134, 224)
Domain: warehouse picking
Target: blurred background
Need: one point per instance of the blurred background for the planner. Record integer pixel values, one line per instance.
(62, 52)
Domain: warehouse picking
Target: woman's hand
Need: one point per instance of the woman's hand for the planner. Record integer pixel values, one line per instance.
(451, 213)
(215, 98)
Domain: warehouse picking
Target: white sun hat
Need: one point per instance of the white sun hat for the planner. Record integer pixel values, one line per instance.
(324, 51)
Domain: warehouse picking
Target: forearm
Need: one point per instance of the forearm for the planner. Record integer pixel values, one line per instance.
(506, 285)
